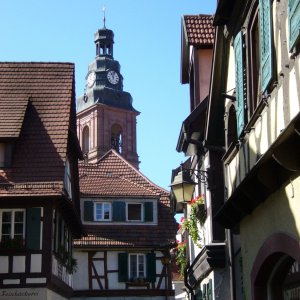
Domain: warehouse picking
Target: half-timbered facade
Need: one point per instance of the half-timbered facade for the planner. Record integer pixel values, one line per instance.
(257, 75)
(205, 276)
(39, 195)
(130, 230)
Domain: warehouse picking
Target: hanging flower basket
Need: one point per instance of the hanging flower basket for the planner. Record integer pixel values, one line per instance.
(201, 213)
(197, 216)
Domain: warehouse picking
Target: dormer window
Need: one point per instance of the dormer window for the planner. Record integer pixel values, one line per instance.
(5, 155)
(134, 212)
(102, 211)
(124, 211)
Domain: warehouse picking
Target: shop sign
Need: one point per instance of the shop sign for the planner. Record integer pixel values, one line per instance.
(22, 294)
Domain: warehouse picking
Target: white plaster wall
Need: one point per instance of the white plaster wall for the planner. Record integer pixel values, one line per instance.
(54, 296)
(36, 263)
(112, 258)
(19, 264)
(3, 264)
(80, 278)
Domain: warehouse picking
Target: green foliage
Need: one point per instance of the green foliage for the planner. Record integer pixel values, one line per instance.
(197, 216)
(17, 243)
(65, 258)
(181, 257)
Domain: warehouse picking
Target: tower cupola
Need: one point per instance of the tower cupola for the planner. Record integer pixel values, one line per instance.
(104, 40)
(106, 118)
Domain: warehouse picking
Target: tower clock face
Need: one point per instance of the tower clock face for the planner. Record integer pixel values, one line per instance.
(113, 77)
(91, 79)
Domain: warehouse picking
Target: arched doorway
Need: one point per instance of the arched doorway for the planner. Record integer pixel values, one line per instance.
(276, 274)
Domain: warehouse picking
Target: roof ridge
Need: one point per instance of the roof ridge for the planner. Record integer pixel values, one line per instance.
(133, 169)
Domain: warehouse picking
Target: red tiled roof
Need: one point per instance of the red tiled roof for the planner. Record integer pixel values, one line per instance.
(121, 179)
(35, 108)
(199, 29)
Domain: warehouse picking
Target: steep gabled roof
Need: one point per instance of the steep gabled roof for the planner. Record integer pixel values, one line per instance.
(199, 30)
(35, 109)
(113, 171)
(114, 177)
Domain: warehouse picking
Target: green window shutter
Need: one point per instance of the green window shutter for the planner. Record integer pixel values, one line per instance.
(119, 211)
(209, 290)
(88, 213)
(151, 267)
(266, 63)
(294, 22)
(33, 228)
(123, 267)
(204, 291)
(198, 295)
(148, 212)
(239, 82)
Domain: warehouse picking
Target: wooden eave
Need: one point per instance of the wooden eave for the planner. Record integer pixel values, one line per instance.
(223, 12)
(192, 128)
(211, 256)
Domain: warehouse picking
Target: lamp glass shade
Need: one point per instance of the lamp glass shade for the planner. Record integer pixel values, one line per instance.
(183, 187)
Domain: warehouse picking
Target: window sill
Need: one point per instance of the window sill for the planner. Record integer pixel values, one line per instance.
(137, 284)
(256, 114)
(230, 153)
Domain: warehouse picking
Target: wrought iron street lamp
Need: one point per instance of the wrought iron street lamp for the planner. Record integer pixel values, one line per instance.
(183, 185)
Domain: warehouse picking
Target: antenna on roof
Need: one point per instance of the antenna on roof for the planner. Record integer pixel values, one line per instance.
(103, 9)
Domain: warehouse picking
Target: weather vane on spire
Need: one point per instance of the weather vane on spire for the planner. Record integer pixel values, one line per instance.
(103, 9)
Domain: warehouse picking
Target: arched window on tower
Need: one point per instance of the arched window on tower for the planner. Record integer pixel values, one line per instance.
(116, 138)
(85, 140)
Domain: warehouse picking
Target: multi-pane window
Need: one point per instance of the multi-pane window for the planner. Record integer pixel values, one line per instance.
(102, 211)
(120, 211)
(12, 224)
(134, 212)
(137, 266)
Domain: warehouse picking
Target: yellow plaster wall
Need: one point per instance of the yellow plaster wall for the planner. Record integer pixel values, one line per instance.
(279, 213)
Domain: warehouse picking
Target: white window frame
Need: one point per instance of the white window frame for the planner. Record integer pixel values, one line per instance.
(102, 217)
(137, 265)
(68, 179)
(142, 211)
(12, 222)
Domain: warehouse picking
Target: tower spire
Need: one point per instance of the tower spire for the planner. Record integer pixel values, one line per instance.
(103, 9)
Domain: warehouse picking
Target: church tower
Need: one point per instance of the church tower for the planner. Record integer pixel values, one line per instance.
(106, 118)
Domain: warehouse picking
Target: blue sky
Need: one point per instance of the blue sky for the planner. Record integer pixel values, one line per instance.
(147, 45)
